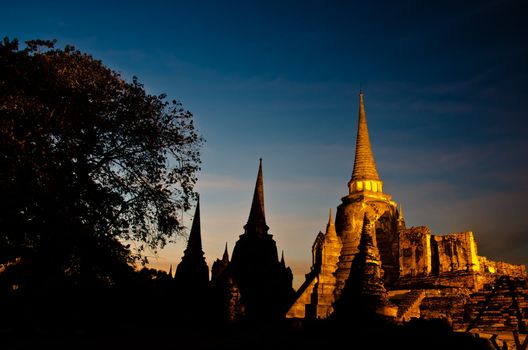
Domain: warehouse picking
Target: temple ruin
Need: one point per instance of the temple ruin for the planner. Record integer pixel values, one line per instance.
(424, 275)
(368, 261)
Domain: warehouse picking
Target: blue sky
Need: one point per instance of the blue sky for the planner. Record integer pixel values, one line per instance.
(446, 99)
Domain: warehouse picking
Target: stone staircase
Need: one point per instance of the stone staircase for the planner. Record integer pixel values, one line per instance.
(500, 307)
(408, 304)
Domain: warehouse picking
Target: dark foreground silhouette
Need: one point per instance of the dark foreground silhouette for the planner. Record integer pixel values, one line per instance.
(240, 337)
(160, 319)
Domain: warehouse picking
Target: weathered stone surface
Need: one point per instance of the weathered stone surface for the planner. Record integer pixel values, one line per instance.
(408, 303)
(501, 306)
(316, 297)
(499, 268)
(364, 293)
(455, 252)
(349, 221)
(415, 252)
(303, 298)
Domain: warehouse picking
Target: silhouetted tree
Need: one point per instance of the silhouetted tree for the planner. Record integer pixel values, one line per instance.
(87, 161)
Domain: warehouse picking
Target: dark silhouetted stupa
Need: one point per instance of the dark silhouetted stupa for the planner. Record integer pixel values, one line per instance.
(192, 273)
(265, 283)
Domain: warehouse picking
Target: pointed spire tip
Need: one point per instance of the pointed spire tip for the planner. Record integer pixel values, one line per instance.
(194, 241)
(257, 218)
(364, 165)
(225, 256)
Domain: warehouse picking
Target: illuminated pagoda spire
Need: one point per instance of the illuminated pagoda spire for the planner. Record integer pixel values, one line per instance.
(364, 176)
(330, 227)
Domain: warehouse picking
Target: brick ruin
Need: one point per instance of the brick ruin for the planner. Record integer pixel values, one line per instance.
(425, 275)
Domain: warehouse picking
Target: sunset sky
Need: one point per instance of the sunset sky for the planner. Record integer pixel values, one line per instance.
(446, 96)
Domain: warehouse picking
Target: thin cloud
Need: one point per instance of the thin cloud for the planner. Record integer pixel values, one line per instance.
(209, 182)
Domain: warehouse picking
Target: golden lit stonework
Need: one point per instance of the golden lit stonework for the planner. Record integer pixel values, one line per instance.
(417, 273)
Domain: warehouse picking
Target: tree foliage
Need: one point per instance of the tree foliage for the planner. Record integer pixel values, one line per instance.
(87, 161)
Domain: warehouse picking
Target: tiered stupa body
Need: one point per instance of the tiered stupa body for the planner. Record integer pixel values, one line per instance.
(364, 294)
